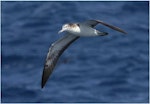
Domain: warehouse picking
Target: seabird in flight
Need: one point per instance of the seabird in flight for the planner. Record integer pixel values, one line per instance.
(73, 32)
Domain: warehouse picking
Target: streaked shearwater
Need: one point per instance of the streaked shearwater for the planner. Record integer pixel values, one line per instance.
(73, 32)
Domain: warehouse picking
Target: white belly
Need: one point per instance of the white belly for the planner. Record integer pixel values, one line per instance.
(84, 31)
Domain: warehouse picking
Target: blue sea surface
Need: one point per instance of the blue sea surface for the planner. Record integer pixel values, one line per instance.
(111, 69)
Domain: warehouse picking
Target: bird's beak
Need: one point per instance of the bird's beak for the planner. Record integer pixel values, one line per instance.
(60, 31)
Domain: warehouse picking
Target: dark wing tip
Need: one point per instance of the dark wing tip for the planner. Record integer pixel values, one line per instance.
(42, 83)
(45, 77)
(112, 27)
(124, 32)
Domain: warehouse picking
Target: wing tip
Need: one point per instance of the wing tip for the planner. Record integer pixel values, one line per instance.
(42, 85)
(44, 78)
(43, 82)
(124, 32)
(116, 28)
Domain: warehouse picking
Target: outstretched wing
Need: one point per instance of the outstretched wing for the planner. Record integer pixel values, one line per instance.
(93, 23)
(54, 53)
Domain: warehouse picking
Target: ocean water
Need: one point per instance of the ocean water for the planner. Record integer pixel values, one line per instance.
(112, 68)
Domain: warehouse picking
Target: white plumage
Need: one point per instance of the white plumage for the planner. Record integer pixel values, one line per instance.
(74, 31)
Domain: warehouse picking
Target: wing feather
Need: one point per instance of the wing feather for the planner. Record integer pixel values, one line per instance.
(53, 55)
(93, 23)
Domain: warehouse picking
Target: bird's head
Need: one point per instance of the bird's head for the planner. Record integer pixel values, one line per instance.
(65, 27)
(71, 28)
